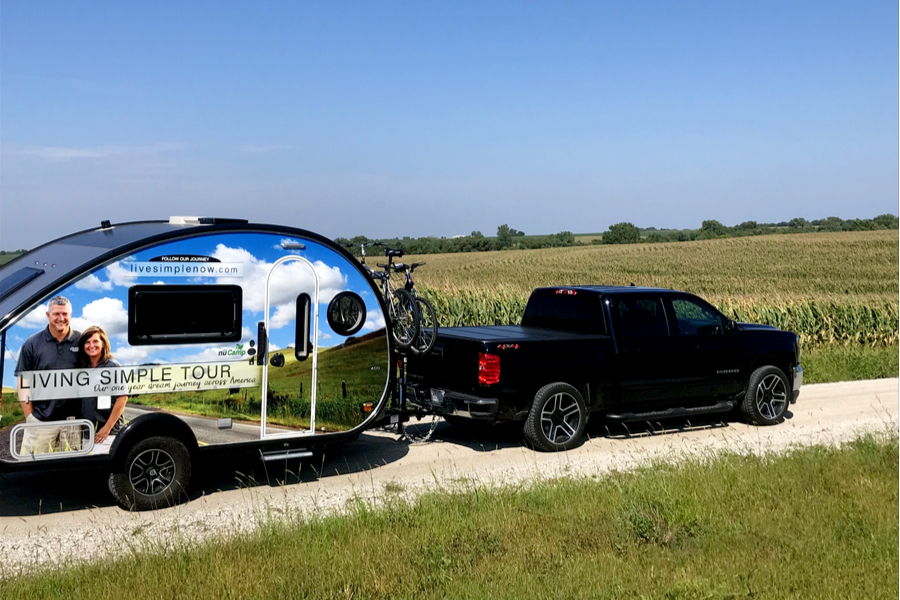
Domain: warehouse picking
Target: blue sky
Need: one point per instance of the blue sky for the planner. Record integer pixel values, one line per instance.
(439, 118)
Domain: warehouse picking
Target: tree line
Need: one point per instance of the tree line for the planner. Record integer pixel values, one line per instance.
(627, 233)
(508, 238)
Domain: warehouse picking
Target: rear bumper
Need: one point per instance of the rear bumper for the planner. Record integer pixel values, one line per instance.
(448, 402)
(798, 381)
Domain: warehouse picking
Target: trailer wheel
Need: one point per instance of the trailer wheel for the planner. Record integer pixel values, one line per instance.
(557, 418)
(767, 397)
(155, 474)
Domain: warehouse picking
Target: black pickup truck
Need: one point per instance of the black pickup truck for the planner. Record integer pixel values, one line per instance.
(628, 353)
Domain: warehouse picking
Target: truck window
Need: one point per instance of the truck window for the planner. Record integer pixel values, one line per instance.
(577, 311)
(642, 317)
(695, 318)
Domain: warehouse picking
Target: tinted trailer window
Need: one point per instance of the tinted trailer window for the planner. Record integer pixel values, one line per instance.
(184, 314)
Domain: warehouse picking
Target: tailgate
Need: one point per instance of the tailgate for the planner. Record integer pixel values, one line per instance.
(452, 363)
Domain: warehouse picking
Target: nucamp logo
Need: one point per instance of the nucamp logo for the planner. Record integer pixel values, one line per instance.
(238, 350)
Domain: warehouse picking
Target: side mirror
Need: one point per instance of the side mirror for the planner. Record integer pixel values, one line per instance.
(730, 326)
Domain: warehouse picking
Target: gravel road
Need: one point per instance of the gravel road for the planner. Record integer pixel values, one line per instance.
(63, 517)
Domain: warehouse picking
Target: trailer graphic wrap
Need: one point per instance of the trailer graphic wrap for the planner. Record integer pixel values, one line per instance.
(132, 381)
(199, 352)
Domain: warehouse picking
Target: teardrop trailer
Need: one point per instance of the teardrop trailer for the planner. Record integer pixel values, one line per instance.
(227, 342)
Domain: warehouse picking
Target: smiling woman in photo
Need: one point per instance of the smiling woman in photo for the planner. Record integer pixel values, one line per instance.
(94, 352)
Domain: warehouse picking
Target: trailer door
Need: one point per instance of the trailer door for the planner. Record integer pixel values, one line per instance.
(304, 324)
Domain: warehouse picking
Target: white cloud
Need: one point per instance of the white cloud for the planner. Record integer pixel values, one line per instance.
(126, 354)
(108, 313)
(286, 282)
(36, 319)
(119, 275)
(374, 320)
(283, 315)
(68, 152)
(92, 283)
(324, 336)
(59, 152)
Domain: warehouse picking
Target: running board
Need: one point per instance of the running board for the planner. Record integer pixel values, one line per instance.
(269, 456)
(723, 406)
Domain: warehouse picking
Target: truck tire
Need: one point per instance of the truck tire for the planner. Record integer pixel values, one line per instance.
(155, 474)
(767, 397)
(557, 418)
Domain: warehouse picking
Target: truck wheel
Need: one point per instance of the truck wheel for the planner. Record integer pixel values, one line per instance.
(156, 472)
(766, 400)
(557, 418)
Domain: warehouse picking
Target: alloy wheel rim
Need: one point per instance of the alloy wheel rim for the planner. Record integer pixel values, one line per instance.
(771, 397)
(152, 472)
(560, 418)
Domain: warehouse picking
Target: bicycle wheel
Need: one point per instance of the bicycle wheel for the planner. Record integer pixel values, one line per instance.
(428, 326)
(404, 315)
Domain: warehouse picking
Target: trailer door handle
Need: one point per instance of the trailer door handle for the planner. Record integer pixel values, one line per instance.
(263, 345)
(302, 344)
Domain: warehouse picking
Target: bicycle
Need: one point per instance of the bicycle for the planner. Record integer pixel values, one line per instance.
(403, 312)
(428, 323)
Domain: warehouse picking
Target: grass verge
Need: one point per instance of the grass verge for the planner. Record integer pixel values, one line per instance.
(817, 522)
(827, 364)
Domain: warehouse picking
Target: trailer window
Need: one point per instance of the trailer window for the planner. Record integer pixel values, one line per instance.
(184, 314)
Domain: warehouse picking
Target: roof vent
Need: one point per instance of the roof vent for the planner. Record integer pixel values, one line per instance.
(203, 220)
(184, 220)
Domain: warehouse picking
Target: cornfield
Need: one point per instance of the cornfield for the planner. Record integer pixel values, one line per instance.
(830, 289)
(859, 266)
(817, 323)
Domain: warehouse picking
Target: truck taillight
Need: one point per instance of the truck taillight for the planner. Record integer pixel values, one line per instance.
(488, 368)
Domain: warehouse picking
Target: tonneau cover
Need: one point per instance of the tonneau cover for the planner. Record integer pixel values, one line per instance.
(508, 333)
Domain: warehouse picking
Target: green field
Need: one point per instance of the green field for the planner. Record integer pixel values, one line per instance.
(766, 270)
(816, 523)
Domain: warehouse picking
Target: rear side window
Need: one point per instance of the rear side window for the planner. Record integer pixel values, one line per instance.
(565, 309)
(642, 317)
(184, 314)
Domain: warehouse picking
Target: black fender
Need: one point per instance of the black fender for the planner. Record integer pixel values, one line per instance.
(149, 425)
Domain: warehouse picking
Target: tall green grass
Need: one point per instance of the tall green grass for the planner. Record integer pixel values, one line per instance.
(817, 522)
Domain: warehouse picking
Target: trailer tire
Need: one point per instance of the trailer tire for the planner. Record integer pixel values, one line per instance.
(155, 474)
(557, 418)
